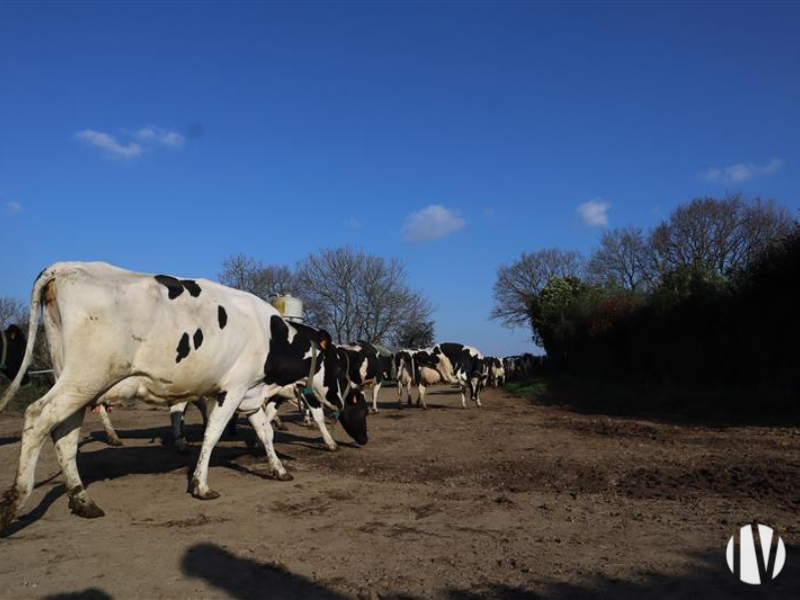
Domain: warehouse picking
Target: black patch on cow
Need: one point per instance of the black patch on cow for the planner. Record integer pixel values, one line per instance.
(221, 398)
(198, 338)
(222, 317)
(175, 286)
(183, 348)
(191, 287)
(14, 352)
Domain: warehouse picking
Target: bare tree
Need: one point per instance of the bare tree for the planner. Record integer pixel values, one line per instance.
(717, 235)
(518, 283)
(358, 296)
(246, 273)
(623, 259)
(12, 312)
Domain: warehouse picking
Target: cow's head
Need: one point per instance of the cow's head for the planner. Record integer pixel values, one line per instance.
(353, 416)
(477, 376)
(14, 352)
(347, 401)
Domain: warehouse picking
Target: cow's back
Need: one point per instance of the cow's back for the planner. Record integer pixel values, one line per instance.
(178, 336)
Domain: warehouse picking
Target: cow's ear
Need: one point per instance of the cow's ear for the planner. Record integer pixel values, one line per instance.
(324, 339)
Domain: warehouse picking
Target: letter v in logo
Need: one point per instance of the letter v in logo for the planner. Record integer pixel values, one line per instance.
(751, 570)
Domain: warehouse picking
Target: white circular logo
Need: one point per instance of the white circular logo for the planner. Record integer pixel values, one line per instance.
(749, 567)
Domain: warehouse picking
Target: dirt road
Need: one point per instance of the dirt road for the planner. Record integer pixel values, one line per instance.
(514, 500)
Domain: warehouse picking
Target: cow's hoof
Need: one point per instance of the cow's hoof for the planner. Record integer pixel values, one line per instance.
(284, 476)
(374, 411)
(180, 445)
(116, 442)
(332, 448)
(207, 495)
(86, 510)
(8, 508)
(279, 426)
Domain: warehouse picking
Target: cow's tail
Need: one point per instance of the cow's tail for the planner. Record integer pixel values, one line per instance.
(33, 327)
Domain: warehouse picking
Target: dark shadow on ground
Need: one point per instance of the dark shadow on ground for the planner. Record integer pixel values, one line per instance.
(245, 578)
(87, 594)
(708, 579)
(5, 441)
(664, 405)
(37, 513)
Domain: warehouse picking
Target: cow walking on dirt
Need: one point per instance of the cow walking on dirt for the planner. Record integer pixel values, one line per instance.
(115, 334)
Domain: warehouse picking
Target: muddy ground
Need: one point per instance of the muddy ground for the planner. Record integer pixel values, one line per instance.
(515, 500)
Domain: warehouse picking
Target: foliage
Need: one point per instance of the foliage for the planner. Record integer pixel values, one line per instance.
(520, 282)
(706, 298)
(360, 296)
(414, 334)
(12, 312)
(251, 275)
(352, 294)
(559, 312)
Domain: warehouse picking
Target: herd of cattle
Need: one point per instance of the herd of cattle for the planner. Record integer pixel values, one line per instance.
(115, 335)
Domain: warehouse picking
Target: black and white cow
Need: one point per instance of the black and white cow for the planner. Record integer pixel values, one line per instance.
(468, 367)
(422, 368)
(495, 371)
(367, 367)
(115, 334)
(12, 350)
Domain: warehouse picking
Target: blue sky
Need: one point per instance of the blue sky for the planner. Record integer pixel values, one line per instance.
(164, 137)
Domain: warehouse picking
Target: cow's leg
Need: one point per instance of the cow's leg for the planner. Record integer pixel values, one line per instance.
(277, 423)
(421, 398)
(319, 418)
(176, 417)
(261, 421)
(399, 394)
(66, 436)
(202, 406)
(111, 436)
(41, 418)
(306, 408)
(217, 421)
(375, 389)
(463, 398)
(232, 427)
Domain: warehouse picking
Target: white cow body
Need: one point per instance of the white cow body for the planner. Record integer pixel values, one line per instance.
(115, 334)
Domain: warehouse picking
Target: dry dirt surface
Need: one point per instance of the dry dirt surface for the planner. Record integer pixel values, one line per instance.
(513, 500)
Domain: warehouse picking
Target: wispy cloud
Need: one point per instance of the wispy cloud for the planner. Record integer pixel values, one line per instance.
(160, 136)
(594, 213)
(353, 223)
(13, 207)
(109, 144)
(431, 223)
(134, 143)
(742, 172)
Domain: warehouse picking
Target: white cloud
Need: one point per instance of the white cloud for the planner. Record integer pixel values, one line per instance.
(110, 145)
(742, 172)
(431, 223)
(135, 143)
(594, 213)
(158, 135)
(13, 207)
